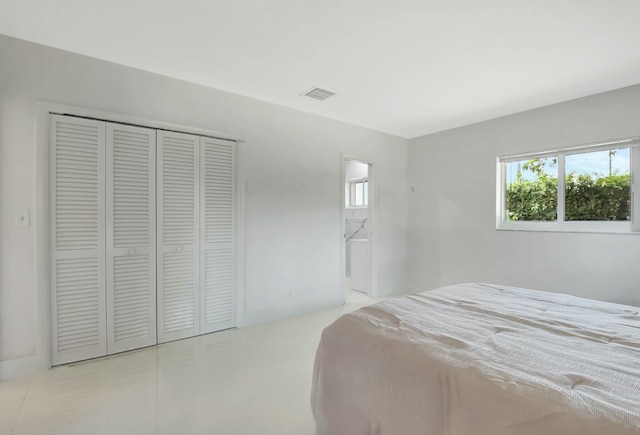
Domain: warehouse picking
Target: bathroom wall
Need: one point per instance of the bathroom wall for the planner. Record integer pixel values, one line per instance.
(356, 219)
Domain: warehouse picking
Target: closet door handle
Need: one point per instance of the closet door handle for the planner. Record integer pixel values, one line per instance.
(132, 251)
(179, 248)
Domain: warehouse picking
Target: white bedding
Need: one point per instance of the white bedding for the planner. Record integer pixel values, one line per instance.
(480, 359)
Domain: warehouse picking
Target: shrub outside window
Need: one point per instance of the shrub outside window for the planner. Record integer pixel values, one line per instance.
(584, 188)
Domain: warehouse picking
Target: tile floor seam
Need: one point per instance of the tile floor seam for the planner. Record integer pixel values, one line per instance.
(15, 420)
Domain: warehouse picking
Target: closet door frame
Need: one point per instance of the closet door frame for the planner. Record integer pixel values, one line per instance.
(41, 220)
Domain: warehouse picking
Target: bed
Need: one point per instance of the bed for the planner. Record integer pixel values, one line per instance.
(479, 359)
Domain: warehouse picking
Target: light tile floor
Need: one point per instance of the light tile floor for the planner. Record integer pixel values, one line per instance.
(253, 380)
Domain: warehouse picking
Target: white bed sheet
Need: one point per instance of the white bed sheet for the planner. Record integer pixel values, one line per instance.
(479, 359)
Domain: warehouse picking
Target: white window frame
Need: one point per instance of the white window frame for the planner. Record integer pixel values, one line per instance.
(351, 194)
(632, 227)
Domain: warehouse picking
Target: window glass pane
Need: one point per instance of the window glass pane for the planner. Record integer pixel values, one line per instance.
(359, 193)
(598, 186)
(532, 190)
(366, 193)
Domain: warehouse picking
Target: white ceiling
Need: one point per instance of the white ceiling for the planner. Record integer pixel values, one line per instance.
(405, 67)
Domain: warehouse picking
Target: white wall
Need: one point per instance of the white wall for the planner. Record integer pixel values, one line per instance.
(452, 210)
(353, 223)
(292, 163)
(354, 170)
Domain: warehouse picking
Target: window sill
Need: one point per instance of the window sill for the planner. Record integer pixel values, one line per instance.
(572, 227)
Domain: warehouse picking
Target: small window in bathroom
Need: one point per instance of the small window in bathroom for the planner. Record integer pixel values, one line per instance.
(359, 193)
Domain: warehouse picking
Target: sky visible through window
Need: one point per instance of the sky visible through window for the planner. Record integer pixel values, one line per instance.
(592, 163)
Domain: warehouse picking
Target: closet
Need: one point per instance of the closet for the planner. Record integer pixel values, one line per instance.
(142, 237)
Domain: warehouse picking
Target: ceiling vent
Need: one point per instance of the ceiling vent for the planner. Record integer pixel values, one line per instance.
(318, 94)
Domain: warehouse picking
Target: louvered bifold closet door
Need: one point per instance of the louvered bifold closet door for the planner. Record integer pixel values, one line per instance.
(178, 235)
(77, 201)
(217, 235)
(131, 237)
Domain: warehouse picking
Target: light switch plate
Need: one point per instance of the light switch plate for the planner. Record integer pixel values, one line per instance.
(22, 218)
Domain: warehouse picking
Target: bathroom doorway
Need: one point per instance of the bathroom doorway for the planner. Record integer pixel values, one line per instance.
(358, 205)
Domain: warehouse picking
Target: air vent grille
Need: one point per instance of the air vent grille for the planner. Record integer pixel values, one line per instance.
(318, 94)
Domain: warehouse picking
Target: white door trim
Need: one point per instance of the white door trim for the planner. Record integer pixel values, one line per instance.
(373, 224)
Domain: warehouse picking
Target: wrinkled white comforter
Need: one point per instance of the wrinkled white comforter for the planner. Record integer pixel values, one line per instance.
(478, 359)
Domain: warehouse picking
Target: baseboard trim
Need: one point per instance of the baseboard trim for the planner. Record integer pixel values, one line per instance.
(18, 367)
(264, 316)
(392, 290)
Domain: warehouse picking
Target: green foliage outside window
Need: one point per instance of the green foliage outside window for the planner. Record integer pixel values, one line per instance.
(606, 198)
(533, 200)
(587, 197)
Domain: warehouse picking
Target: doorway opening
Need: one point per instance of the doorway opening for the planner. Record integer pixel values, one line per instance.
(358, 206)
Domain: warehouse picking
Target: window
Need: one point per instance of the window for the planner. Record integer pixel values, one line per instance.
(358, 195)
(583, 188)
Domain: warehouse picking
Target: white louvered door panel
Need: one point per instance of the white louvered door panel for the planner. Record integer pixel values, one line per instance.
(131, 237)
(178, 235)
(77, 198)
(217, 239)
